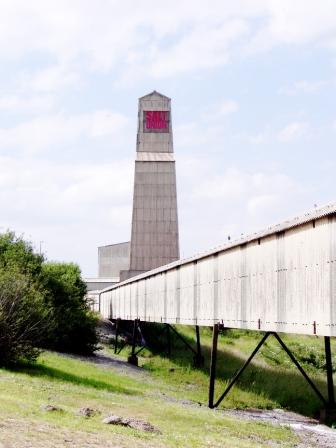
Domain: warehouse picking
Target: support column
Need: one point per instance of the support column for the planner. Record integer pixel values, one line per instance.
(328, 414)
(198, 358)
(116, 336)
(213, 366)
(330, 382)
(133, 359)
(168, 340)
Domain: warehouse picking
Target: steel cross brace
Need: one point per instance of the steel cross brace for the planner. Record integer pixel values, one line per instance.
(145, 345)
(198, 358)
(117, 331)
(213, 404)
(133, 358)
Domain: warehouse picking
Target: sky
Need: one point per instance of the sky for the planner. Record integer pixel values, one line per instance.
(252, 84)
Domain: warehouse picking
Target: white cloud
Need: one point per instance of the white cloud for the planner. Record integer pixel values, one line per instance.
(158, 39)
(305, 87)
(50, 79)
(260, 203)
(44, 132)
(52, 46)
(292, 131)
(203, 47)
(27, 104)
(236, 184)
(230, 186)
(71, 207)
(232, 201)
(228, 107)
(259, 138)
(194, 135)
(297, 22)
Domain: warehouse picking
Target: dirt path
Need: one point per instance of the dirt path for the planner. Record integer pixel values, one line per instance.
(310, 432)
(105, 359)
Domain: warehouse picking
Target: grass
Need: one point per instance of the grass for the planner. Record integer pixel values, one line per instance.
(165, 392)
(72, 384)
(271, 381)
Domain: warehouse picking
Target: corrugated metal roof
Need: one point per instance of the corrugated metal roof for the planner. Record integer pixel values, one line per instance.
(115, 244)
(310, 216)
(101, 279)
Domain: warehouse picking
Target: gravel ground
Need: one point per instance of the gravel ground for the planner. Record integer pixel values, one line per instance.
(310, 431)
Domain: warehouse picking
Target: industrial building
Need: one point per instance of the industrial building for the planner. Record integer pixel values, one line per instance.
(280, 280)
(154, 236)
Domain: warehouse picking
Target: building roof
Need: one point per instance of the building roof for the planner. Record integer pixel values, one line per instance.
(154, 93)
(310, 216)
(115, 244)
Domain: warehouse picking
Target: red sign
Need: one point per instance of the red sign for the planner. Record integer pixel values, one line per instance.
(156, 121)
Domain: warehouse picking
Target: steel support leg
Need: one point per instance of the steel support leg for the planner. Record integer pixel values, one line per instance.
(143, 342)
(198, 358)
(186, 343)
(330, 382)
(213, 366)
(133, 359)
(116, 336)
(328, 414)
(168, 340)
(241, 370)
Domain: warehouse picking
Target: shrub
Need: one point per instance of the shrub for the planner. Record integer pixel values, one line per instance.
(24, 318)
(41, 304)
(18, 255)
(74, 325)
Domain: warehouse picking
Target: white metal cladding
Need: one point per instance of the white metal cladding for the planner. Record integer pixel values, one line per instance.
(283, 279)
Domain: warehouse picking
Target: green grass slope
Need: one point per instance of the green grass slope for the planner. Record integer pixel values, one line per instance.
(72, 384)
(271, 381)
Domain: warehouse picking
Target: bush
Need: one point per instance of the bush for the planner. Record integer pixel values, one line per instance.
(24, 318)
(74, 325)
(41, 304)
(18, 255)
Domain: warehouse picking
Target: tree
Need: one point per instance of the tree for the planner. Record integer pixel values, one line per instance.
(24, 316)
(74, 325)
(18, 255)
(41, 304)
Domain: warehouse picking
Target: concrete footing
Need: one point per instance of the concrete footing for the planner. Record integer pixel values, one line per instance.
(133, 359)
(328, 415)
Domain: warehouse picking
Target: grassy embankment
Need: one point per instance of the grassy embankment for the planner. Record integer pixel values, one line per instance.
(271, 381)
(72, 384)
(155, 394)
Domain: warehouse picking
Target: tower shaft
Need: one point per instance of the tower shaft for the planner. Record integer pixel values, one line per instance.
(155, 238)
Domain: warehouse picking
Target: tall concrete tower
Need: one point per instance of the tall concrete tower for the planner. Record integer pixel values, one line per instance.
(155, 237)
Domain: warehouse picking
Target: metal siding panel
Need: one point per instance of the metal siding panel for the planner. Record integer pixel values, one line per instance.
(187, 294)
(171, 294)
(141, 300)
(206, 292)
(160, 298)
(284, 282)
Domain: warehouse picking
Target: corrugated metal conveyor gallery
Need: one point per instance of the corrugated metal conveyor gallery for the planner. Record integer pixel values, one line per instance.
(282, 279)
